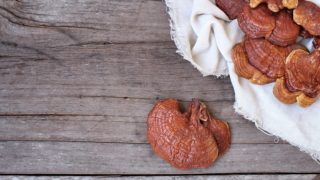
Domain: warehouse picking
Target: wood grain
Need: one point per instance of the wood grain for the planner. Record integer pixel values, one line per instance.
(37, 23)
(123, 129)
(207, 177)
(117, 158)
(116, 70)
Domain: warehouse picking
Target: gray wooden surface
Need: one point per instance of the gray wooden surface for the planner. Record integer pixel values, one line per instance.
(199, 177)
(78, 78)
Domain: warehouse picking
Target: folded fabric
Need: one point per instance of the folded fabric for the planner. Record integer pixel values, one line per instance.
(205, 36)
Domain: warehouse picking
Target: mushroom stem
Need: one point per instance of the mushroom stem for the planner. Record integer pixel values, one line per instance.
(198, 112)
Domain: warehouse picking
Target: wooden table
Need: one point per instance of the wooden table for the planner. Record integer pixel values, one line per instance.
(78, 78)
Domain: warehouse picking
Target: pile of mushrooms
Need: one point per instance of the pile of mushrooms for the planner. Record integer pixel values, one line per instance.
(269, 52)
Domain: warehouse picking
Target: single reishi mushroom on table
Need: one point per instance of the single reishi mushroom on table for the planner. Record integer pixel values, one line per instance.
(193, 139)
(301, 83)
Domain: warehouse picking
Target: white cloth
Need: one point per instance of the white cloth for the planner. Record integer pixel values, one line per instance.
(205, 36)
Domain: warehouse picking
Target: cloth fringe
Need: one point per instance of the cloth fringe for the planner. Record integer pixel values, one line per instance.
(259, 126)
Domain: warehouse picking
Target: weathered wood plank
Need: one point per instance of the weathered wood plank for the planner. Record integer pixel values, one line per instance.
(94, 106)
(122, 70)
(34, 23)
(190, 177)
(117, 158)
(102, 129)
(84, 86)
(124, 120)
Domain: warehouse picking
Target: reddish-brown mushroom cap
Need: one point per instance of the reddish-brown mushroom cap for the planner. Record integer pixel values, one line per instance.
(302, 80)
(286, 30)
(279, 29)
(266, 57)
(221, 133)
(231, 7)
(260, 61)
(282, 93)
(307, 14)
(258, 22)
(303, 71)
(244, 69)
(184, 139)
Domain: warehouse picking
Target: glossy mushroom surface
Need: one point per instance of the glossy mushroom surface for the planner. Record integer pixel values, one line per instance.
(258, 22)
(244, 69)
(269, 51)
(193, 139)
(307, 14)
(286, 31)
(231, 7)
(259, 60)
(279, 29)
(266, 57)
(302, 81)
(303, 71)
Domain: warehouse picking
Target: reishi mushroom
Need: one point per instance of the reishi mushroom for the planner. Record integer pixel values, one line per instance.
(301, 83)
(244, 69)
(259, 60)
(269, 51)
(307, 14)
(266, 57)
(286, 31)
(231, 7)
(193, 139)
(260, 22)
